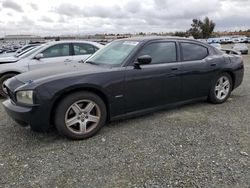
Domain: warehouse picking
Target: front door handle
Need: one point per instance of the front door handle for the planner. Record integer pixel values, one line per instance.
(174, 68)
(67, 60)
(213, 64)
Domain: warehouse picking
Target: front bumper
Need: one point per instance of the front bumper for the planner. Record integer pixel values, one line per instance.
(35, 116)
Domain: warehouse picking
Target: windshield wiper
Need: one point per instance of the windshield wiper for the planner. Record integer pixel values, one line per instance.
(91, 62)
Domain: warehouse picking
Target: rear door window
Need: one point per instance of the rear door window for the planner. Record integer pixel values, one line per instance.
(84, 49)
(192, 52)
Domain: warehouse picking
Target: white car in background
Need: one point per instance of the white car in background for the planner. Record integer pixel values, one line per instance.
(50, 54)
(216, 45)
(241, 47)
(230, 51)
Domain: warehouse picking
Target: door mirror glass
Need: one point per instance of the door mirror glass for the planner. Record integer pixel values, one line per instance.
(39, 56)
(144, 59)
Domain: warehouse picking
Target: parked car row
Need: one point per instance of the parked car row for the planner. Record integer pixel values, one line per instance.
(9, 49)
(229, 40)
(19, 51)
(238, 48)
(45, 55)
(127, 77)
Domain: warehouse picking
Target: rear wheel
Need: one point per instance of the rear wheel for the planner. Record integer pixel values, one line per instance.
(3, 91)
(80, 115)
(221, 89)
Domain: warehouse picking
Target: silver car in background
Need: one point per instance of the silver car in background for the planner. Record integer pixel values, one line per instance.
(13, 57)
(241, 47)
(50, 54)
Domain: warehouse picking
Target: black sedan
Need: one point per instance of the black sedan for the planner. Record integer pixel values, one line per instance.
(126, 78)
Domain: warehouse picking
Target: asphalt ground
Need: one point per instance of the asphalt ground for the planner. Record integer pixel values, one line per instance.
(196, 145)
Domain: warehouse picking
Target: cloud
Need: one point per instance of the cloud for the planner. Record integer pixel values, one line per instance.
(12, 5)
(133, 6)
(90, 17)
(46, 19)
(160, 9)
(26, 21)
(90, 11)
(114, 11)
(68, 10)
(33, 6)
(10, 14)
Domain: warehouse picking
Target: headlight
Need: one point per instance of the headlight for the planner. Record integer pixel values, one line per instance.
(25, 97)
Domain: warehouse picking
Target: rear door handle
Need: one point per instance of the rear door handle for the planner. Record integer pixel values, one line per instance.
(174, 68)
(67, 60)
(213, 64)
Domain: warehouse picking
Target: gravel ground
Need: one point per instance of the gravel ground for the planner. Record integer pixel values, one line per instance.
(197, 145)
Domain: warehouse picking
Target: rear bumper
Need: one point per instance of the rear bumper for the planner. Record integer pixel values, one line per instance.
(238, 75)
(33, 116)
(244, 51)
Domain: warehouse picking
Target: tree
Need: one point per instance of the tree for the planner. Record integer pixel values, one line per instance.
(195, 29)
(207, 27)
(202, 29)
(181, 34)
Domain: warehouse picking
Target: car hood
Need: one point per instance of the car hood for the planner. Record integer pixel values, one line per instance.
(57, 72)
(11, 59)
(240, 48)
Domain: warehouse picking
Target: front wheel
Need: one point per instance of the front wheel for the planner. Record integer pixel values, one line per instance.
(221, 89)
(80, 115)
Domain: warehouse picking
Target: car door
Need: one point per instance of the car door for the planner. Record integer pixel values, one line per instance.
(82, 51)
(54, 55)
(197, 70)
(157, 83)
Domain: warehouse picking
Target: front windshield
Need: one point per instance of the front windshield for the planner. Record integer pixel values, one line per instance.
(23, 52)
(114, 53)
(27, 54)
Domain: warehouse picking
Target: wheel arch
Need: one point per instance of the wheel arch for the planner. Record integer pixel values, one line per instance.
(9, 72)
(232, 77)
(94, 90)
(221, 72)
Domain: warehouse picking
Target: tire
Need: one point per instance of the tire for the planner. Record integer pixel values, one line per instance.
(220, 91)
(5, 77)
(80, 115)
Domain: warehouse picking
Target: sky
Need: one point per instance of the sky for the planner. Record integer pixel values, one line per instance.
(64, 17)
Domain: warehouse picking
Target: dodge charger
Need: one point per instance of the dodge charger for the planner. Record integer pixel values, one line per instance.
(126, 78)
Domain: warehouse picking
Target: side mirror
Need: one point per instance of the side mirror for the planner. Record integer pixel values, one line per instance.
(142, 60)
(38, 56)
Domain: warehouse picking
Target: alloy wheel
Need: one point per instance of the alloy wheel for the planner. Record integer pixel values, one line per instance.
(222, 88)
(82, 116)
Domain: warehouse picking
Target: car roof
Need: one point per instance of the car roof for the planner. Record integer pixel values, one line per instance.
(152, 38)
(70, 41)
(76, 41)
